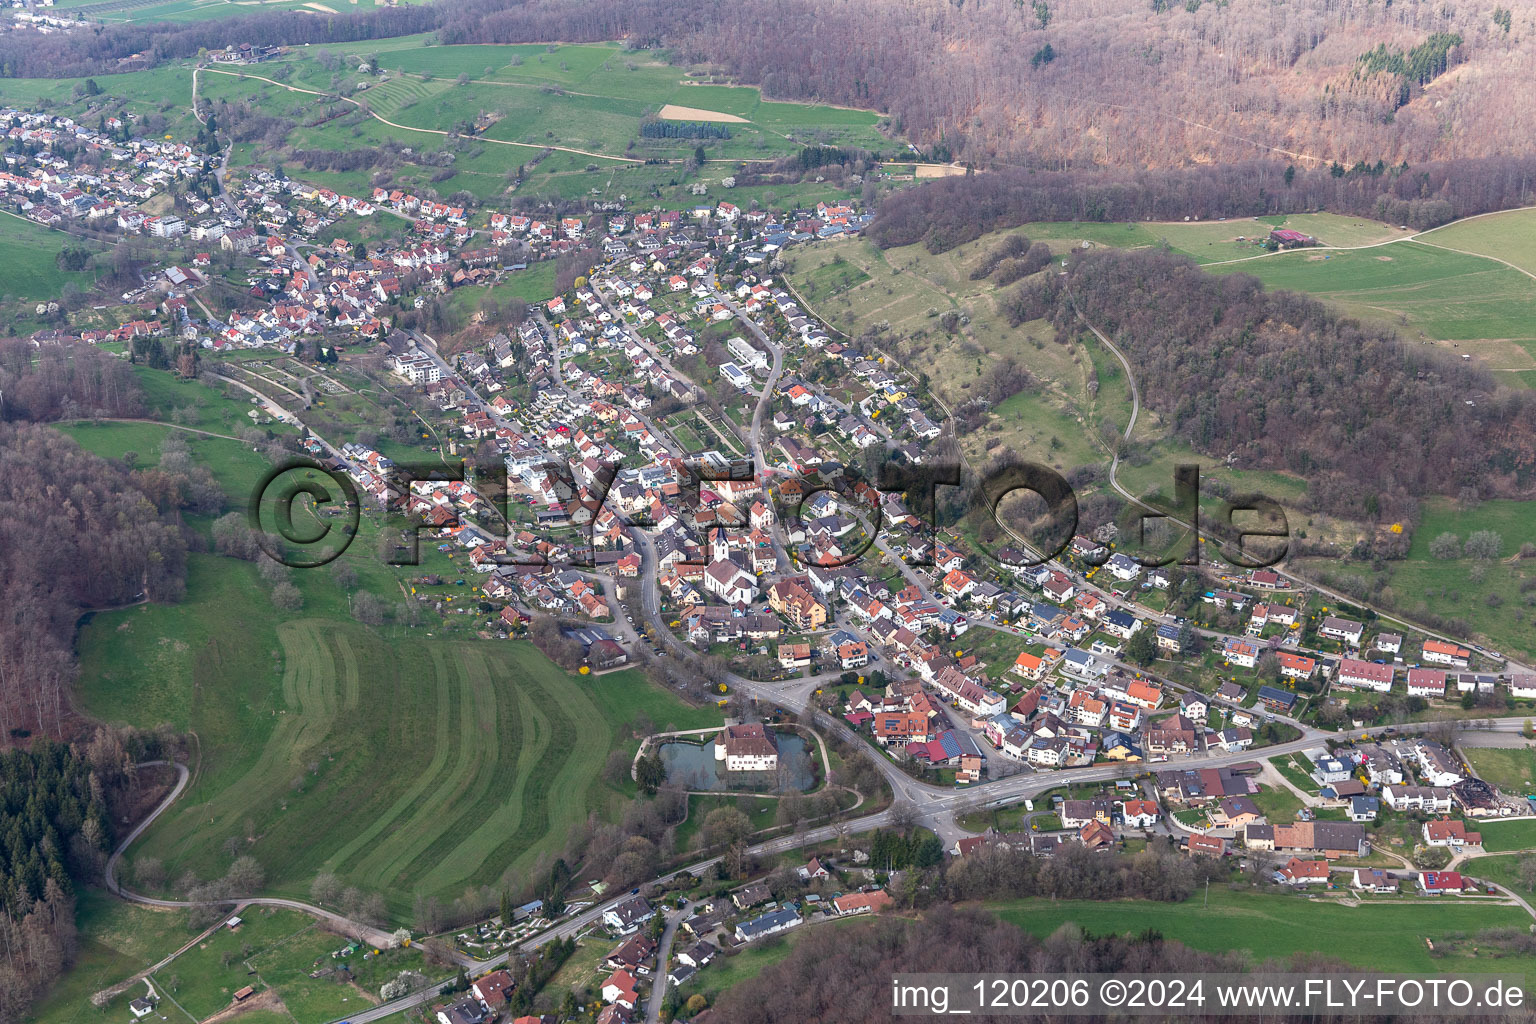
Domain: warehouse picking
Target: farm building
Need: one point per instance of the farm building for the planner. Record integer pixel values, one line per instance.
(1286, 238)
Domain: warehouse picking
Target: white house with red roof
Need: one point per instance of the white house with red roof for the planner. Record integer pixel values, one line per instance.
(1365, 675)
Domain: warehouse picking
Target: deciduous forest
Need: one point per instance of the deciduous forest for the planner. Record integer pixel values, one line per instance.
(1277, 380)
(1052, 84)
(76, 532)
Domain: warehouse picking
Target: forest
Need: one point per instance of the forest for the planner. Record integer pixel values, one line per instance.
(1276, 380)
(55, 830)
(1054, 84)
(64, 382)
(76, 532)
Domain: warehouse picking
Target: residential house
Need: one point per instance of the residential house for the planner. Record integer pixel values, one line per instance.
(1206, 846)
(1373, 880)
(1365, 675)
(1422, 799)
(1240, 652)
(1139, 813)
(1296, 666)
(1426, 682)
(466, 1011)
(628, 915)
(1341, 629)
(631, 955)
(1450, 832)
(621, 988)
(767, 924)
(1440, 652)
(1277, 700)
(1303, 872)
(493, 989)
(794, 656)
(862, 902)
(1364, 808)
(1435, 883)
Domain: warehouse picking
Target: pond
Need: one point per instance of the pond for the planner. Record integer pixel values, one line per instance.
(694, 766)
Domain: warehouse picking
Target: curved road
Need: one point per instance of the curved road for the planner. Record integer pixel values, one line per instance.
(1114, 482)
(361, 931)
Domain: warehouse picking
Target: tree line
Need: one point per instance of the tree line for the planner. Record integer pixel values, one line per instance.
(77, 532)
(1276, 380)
(654, 128)
(844, 973)
(946, 212)
(56, 812)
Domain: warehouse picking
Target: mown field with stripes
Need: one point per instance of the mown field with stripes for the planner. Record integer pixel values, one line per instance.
(404, 763)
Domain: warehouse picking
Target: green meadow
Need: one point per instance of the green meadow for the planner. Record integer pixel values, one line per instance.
(149, 11)
(1513, 521)
(586, 103)
(1433, 293)
(1388, 936)
(1508, 236)
(29, 253)
(403, 762)
(1507, 836)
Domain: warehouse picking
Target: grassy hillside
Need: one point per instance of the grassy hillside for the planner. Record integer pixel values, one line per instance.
(1083, 398)
(1429, 291)
(584, 102)
(1509, 236)
(404, 764)
(1439, 294)
(29, 254)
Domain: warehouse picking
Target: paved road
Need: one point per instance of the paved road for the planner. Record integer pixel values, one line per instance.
(663, 955)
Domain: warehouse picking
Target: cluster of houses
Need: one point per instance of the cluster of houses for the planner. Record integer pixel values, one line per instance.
(45, 187)
(1094, 823)
(1414, 775)
(591, 419)
(1217, 808)
(1079, 706)
(716, 927)
(659, 286)
(483, 1003)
